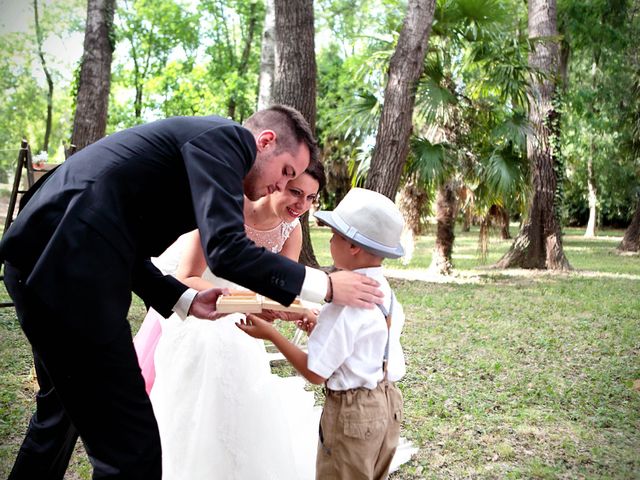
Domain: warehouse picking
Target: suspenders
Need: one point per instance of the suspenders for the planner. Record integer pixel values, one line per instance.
(385, 359)
(387, 317)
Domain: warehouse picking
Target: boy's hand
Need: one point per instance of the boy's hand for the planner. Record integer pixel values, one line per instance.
(289, 316)
(306, 325)
(272, 315)
(308, 321)
(256, 327)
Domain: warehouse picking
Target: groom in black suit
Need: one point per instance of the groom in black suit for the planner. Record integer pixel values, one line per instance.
(83, 243)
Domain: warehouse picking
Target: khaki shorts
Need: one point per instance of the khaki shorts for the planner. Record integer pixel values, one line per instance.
(359, 432)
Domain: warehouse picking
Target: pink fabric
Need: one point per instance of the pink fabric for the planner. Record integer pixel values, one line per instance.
(145, 343)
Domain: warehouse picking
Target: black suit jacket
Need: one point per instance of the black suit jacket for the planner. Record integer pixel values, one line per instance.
(86, 236)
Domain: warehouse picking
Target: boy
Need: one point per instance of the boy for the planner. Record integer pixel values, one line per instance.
(354, 351)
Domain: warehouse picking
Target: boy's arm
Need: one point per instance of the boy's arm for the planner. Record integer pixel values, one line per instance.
(259, 328)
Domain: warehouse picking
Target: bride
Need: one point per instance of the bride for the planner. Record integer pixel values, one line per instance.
(220, 411)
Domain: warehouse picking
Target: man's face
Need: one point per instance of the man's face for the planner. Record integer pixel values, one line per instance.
(271, 171)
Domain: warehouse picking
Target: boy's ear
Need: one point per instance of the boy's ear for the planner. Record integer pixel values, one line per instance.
(354, 249)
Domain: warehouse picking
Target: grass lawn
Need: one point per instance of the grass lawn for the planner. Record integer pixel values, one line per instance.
(511, 374)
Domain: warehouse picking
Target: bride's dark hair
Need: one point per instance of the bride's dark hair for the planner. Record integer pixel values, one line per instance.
(290, 127)
(316, 171)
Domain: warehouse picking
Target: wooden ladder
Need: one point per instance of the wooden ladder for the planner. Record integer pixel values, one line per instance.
(25, 162)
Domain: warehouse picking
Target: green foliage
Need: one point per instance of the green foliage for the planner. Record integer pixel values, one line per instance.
(503, 174)
(599, 105)
(559, 160)
(473, 97)
(183, 61)
(434, 163)
(152, 30)
(177, 57)
(350, 86)
(23, 91)
(434, 101)
(234, 32)
(470, 102)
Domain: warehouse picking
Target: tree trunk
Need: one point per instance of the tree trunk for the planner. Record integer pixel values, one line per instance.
(411, 201)
(405, 68)
(539, 242)
(446, 211)
(465, 199)
(631, 240)
(92, 105)
(565, 58)
(267, 57)
(138, 80)
(338, 178)
(505, 234)
(295, 79)
(137, 103)
(591, 186)
(466, 225)
(499, 215)
(47, 74)
(590, 232)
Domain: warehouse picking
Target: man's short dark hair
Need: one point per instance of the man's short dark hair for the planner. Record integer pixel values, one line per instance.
(290, 127)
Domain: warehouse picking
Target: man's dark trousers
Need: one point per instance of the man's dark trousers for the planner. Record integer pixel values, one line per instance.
(120, 435)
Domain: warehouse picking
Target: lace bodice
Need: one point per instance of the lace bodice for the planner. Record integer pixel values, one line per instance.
(273, 239)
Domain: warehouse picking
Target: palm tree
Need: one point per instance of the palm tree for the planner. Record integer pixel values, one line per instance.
(468, 122)
(477, 103)
(405, 67)
(539, 243)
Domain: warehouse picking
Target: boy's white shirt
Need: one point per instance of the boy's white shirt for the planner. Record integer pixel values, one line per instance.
(347, 345)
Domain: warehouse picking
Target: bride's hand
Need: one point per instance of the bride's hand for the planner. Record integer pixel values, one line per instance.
(204, 303)
(255, 327)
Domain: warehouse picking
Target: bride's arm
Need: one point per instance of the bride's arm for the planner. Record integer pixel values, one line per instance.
(293, 245)
(192, 263)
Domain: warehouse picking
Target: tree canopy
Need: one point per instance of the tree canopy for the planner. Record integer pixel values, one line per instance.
(469, 123)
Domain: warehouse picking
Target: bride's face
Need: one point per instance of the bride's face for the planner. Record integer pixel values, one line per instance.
(296, 198)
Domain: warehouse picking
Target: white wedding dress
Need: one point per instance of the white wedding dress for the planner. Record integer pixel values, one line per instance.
(222, 414)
